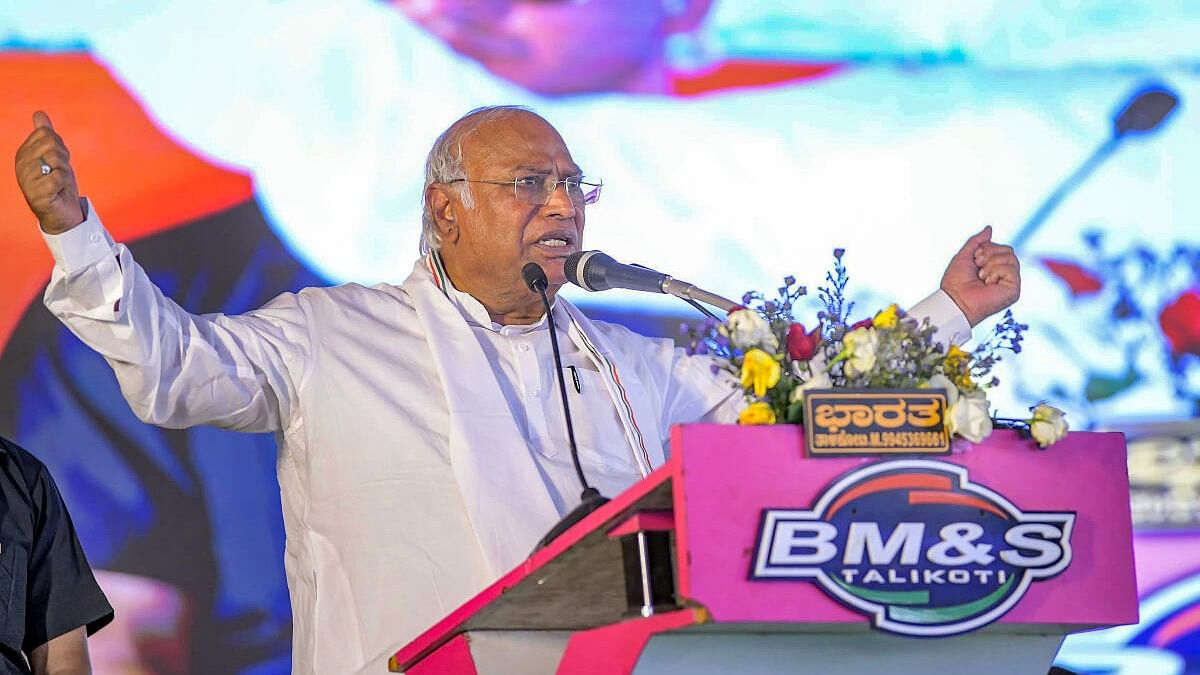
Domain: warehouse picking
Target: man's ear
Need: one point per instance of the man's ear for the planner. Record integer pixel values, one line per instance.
(445, 216)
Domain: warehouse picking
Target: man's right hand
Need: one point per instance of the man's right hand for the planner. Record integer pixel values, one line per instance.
(52, 196)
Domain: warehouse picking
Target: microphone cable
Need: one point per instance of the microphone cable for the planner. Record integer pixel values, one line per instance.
(590, 499)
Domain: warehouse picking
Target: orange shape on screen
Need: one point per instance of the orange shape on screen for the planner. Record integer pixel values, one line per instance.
(747, 74)
(140, 178)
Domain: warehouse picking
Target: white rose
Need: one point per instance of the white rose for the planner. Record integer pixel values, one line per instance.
(1049, 424)
(940, 381)
(805, 369)
(819, 381)
(860, 344)
(747, 329)
(969, 418)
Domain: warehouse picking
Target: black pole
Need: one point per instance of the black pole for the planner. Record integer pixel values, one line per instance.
(1144, 112)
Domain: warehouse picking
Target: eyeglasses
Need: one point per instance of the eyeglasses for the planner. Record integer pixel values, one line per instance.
(537, 189)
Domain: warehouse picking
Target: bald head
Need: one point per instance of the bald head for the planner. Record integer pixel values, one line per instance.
(503, 191)
(445, 160)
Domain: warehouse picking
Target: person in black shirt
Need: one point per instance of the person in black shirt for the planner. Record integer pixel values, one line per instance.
(49, 599)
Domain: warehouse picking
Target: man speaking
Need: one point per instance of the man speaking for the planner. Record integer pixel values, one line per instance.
(421, 453)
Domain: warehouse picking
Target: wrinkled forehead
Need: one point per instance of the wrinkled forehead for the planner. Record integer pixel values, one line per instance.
(517, 141)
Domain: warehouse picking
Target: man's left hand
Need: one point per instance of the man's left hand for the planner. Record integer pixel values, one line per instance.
(983, 277)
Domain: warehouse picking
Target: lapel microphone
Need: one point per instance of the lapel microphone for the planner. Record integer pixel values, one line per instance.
(591, 499)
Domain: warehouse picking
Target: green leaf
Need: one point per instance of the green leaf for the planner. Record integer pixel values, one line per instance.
(795, 413)
(1100, 387)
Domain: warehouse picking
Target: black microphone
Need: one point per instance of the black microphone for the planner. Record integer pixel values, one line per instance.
(591, 499)
(597, 271)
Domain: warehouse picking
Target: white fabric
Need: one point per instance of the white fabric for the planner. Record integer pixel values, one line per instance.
(407, 481)
(381, 542)
(952, 327)
(482, 417)
(522, 360)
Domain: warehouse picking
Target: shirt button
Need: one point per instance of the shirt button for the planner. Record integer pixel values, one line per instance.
(93, 237)
(524, 347)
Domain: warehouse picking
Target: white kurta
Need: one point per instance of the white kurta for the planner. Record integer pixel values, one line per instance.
(522, 361)
(420, 454)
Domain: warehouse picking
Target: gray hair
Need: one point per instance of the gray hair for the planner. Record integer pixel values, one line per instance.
(445, 163)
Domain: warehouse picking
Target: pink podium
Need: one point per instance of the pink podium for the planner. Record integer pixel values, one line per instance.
(743, 555)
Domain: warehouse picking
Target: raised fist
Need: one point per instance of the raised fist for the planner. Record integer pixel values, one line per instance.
(44, 173)
(983, 277)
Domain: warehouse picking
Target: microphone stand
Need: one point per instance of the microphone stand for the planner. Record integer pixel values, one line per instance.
(590, 499)
(701, 308)
(693, 294)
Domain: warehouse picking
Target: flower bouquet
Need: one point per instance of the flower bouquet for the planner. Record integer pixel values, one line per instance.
(777, 360)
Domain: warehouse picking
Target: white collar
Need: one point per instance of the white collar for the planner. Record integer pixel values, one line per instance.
(477, 315)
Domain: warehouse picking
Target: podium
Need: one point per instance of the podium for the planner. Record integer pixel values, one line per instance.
(742, 554)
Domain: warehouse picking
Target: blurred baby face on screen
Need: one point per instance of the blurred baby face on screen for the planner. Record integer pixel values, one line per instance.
(559, 47)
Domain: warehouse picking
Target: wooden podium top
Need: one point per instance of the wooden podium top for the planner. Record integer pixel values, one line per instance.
(575, 583)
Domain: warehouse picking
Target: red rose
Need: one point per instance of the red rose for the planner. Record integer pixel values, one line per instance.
(800, 345)
(865, 323)
(1180, 321)
(1078, 279)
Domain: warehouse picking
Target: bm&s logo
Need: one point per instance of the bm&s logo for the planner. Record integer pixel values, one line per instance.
(915, 546)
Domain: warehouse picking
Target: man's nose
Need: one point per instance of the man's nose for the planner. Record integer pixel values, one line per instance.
(560, 204)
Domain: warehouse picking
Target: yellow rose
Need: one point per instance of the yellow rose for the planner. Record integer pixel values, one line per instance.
(957, 367)
(956, 355)
(887, 318)
(760, 371)
(858, 351)
(1048, 426)
(757, 413)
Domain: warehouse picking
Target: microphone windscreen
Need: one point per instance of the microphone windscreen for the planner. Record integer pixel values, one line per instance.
(571, 267)
(589, 269)
(535, 276)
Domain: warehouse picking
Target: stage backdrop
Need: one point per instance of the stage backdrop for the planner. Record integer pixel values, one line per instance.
(251, 147)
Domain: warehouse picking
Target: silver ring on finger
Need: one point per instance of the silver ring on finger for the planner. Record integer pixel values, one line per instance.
(46, 168)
